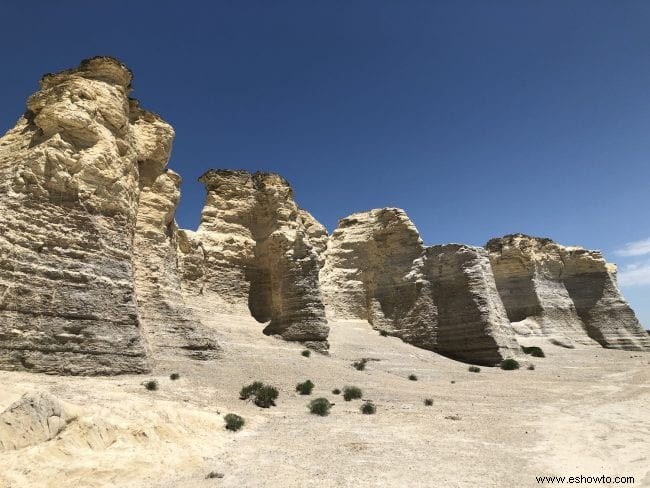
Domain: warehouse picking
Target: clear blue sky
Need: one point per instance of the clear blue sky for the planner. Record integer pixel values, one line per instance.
(479, 118)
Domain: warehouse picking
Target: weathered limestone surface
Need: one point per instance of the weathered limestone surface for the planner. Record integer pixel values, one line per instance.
(34, 418)
(252, 254)
(553, 290)
(472, 321)
(442, 298)
(68, 200)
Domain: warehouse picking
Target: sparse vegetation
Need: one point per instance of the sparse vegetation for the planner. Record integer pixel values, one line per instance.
(151, 385)
(509, 364)
(351, 393)
(368, 408)
(263, 395)
(320, 406)
(214, 474)
(474, 369)
(452, 382)
(305, 387)
(531, 367)
(412, 377)
(306, 353)
(534, 351)
(250, 390)
(174, 376)
(234, 422)
(336, 391)
(383, 333)
(428, 402)
(360, 365)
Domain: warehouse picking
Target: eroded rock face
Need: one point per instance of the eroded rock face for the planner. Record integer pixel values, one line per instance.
(472, 322)
(441, 298)
(68, 198)
(253, 254)
(558, 291)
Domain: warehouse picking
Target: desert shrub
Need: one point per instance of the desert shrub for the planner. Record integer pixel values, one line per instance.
(305, 387)
(531, 367)
(351, 393)
(368, 408)
(250, 390)
(412, 377)
(534, 351)
(306, 353)
(151, 385)
(234, 422)
(453, 382)
(474, 369)
(266, 396)
(509, 364)
(213, 475)
(360, 365)
(336, 391)
(320, 406)
(383, 333)
(428, 402)
(174, 376)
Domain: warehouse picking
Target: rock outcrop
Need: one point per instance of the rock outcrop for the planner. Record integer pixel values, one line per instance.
(68, 200)
(557, 291)
(253, 254)
(441, 298)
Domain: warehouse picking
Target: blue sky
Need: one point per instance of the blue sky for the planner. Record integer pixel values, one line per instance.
(479, 118)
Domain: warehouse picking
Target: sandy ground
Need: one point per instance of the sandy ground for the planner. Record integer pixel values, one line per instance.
(582, 411)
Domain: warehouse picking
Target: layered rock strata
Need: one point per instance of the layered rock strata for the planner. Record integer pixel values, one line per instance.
(441, 298)
(253, 253)
(553, 290)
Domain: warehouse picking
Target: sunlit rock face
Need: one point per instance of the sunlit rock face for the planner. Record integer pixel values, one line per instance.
(253, 253)
(553, 290)
(441, 298)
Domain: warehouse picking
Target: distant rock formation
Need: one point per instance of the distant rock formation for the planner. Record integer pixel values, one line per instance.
(253, 253)
(441, 298)
(553, 290)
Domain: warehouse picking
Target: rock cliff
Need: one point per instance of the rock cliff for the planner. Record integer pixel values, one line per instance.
(253, 254)
(553, 290)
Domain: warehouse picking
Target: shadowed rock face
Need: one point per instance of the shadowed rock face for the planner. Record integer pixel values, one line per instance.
(253, 254)
(472, 322)
(552, 290)
(68, 198)
(443, 298)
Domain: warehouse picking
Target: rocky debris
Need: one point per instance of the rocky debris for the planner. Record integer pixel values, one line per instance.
(441, 298)
(472, 324)
(253, 254)
(34, 418)
(566, 292)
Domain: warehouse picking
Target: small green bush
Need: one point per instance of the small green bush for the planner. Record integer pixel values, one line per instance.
(368, 408)
(360, 365)
(234, 422)
(509, 364)
(336, 391)
(534, 351)
(412, 377)
(250, 390)
(474, 369)
(531, 367)
(306, 353)
(320, 406)
(351, 393)
(174, 376)
(151, 385)
(305, 387)
(266, 396)
(428, 402)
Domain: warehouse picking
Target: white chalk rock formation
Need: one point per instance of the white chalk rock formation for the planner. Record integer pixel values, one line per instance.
(557, 291)
(253, 254)
(441, 298)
